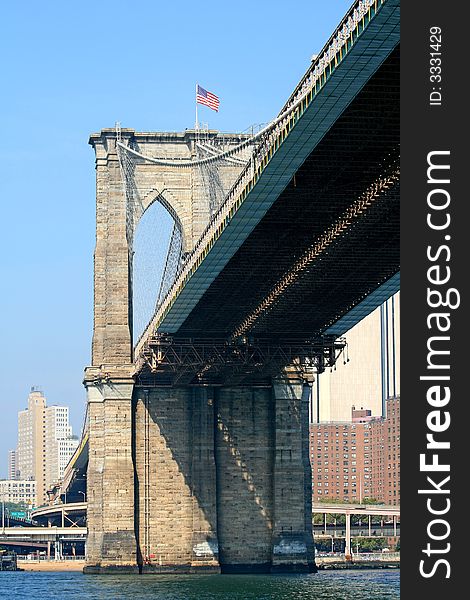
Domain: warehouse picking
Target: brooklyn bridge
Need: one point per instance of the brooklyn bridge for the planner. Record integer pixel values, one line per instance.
(196, 441)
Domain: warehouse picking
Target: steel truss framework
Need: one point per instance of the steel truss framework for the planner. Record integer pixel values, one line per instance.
(169, 360)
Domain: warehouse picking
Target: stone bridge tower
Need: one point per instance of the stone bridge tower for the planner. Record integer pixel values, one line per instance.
(177, 189)
(182, 479)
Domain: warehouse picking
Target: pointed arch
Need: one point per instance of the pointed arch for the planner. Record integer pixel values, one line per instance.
(157, 249)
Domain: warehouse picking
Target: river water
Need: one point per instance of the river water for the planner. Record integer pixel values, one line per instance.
(325, 585)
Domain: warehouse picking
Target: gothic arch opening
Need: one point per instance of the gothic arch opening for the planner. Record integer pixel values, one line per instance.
(157, 248)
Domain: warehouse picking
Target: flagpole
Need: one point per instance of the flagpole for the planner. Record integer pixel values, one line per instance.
(196, 126)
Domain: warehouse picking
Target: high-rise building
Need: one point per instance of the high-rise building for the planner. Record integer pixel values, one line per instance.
(31, 440)
(357, 460)
(19, 491)
(372, 373)
(391, 436)
(45, 443)
(59, 442)
(12, 465)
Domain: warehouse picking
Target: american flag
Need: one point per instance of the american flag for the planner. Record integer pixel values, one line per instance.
(207, 98)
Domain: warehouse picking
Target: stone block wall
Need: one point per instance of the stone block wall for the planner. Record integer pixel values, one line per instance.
(175, 480)
(293, 548)
(244, 462)
(111, 541)
(222, 479)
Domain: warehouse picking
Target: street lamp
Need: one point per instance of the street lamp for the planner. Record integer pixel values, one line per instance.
(84, 495)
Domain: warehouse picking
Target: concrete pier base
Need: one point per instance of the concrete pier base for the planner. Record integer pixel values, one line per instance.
(111, 542)
(176, 522)
(292, 547)
(199, 480)
(244, 468)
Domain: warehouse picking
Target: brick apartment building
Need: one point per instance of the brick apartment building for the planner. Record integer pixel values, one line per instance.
(357, 460)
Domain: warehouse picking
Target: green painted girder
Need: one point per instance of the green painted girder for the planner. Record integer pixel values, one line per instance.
(370, 50)
(365, 307)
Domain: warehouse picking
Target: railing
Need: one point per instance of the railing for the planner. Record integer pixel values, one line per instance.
(43, 557)
(38, 532)
(271, 139)
(376, 556)
(334, 557)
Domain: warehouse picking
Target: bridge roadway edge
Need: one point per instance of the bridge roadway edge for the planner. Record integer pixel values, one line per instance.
(366, 56)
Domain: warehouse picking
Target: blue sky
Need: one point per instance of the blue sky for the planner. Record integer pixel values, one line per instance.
(70, 69)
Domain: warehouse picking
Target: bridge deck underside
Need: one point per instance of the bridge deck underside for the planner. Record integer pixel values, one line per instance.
(358, 150)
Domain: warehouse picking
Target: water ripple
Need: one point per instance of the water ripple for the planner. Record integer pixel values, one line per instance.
(325, 585)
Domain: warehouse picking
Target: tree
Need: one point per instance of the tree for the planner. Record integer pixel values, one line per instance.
(367, 544)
